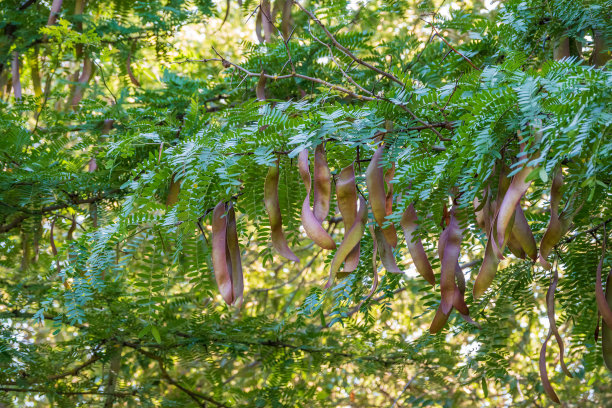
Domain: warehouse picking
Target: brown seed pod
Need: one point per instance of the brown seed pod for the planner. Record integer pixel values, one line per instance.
(233, 255)
(279, 242)
(378, 197)
(260, 90)
(312, 226)
(550, 311)
(606, 329)
(321, 194)
(521, 233)
(386, 252)
(550, 305)
(439, 320)
(346, 194)
(219, 253)
(350, 241)
(415, 246)
(449, 250)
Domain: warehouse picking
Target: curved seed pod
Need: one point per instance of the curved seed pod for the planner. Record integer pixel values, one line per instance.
(350, 241)
(312, 226)
(514, 246)
(439, 320)
(386, 252)
(506, 210)
(602, 302)
(415, 246)
(279, 242)
(346, 193)
(544, 375)
(234, 255)
(487, 271)
(523, 235)
(606, 329)
(389, 174)
(173, 192)
(377, 196)
(550, 311)
(260, 90)
(450, 245)
(321, 195)
(554, 231)
(219, 253)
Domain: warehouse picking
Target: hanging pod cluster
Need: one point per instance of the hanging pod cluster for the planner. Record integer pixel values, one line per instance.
(226, 254)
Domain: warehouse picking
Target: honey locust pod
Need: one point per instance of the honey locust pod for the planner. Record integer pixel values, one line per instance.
(346, 194)
(415, 246)
(350, 241)
(233, 256)
(386, 252)
(606, 329)
(378, 197)
(449, 250)
(321, 195)
(550, 312)
(279, 242)
(219, 253)
(312, 225)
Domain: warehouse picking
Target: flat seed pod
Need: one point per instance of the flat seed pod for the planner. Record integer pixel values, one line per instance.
(346, 194)
(548, 389)
(523, 235)
(450, 245)
(415, 246)
(219, 253)
(602, 302)
(312, 226)
(487, 271)
(606, 329)
(234, 255)
(439, 320)
(351, 239)
(386, 252)
(377, 196)
(506, 211)
(279, 242)
(321, 194)
(550, 311)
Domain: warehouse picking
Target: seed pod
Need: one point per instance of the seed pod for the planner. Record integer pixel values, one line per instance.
(459, 298)
(350, 241)
(487, 271)
(321, 194)
(544, 375)
(606, 329)
(506, 210)
(378, 197)
(415, 246)
(173, 192)
(260, 90)
(219, 253)
(346, 193)
(449, 248)
(523, 235)
(386, 252)
(439, 320)
(279, 242)
(602, 303)
(550, 311)
(550, 306)
(515, 246)
(312, 226)
(234, 256)
(389, 196)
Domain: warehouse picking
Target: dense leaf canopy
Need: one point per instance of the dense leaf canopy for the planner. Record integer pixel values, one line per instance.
(136, 134)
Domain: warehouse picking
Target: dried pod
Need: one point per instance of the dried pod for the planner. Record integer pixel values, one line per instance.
(346, 193)
(439, 320)
(415, 246)
(548, 389)
(602, 301)
(279, 242)
(606, 329)
(233, 255)
(386, 252)
(312, 226)
(506, 210)
(550, 311)
(487, 271)
(550, 305)
(350, 241)
(321, 194)
(378, 197)
(449, 250)
(219, 253)
(523, 235)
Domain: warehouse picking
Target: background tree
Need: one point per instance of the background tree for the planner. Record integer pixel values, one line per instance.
(125, 124)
